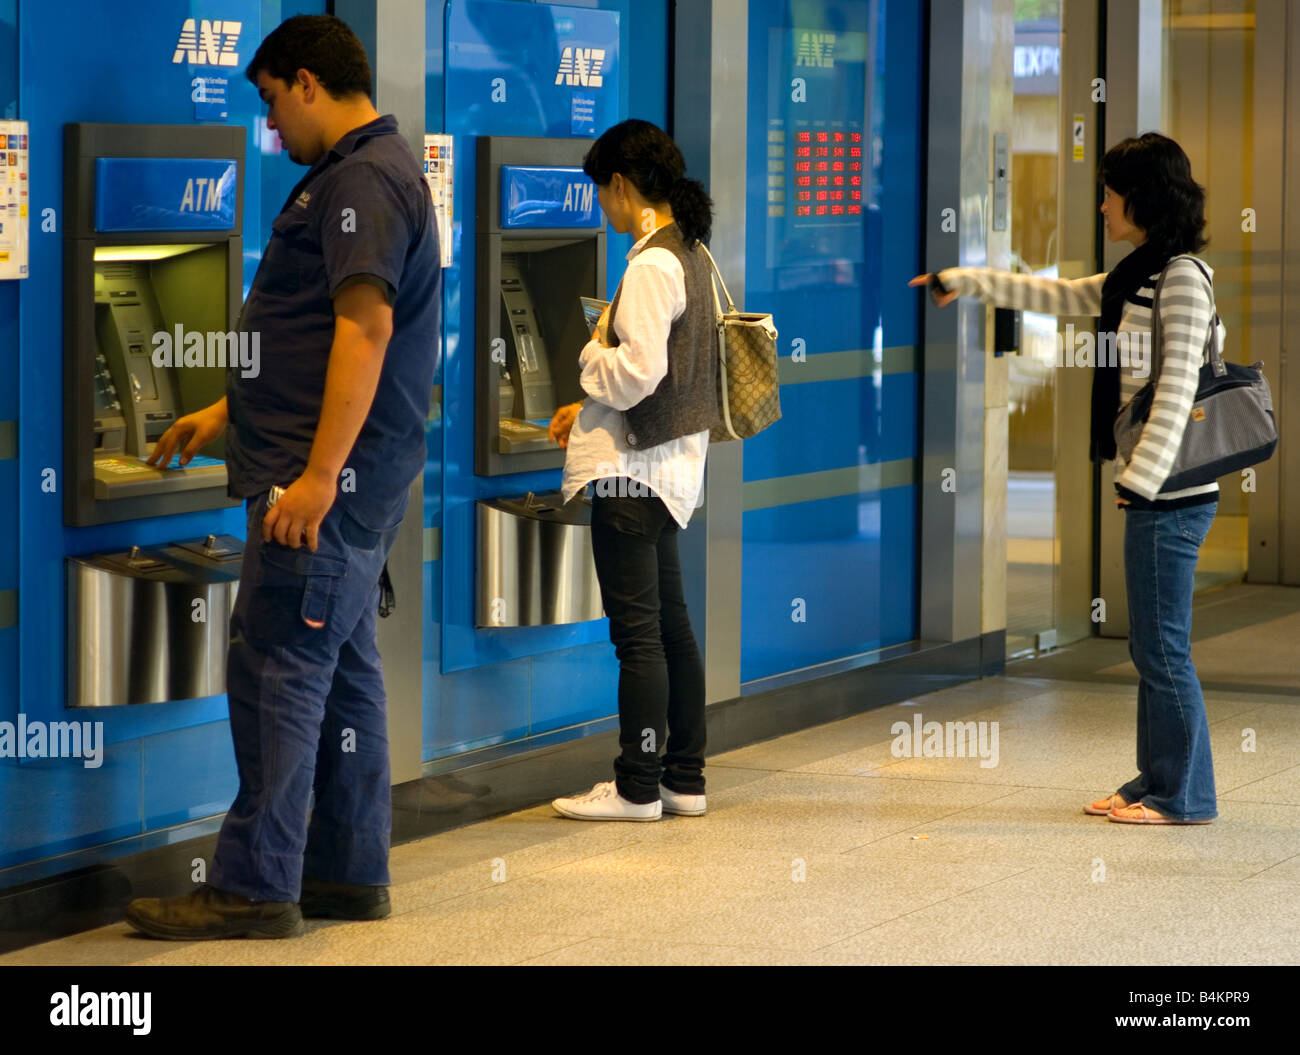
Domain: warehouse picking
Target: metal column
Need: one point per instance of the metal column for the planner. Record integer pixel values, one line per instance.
(393, 34)
(710, 74)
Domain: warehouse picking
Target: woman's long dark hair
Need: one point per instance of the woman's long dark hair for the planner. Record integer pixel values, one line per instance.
(645, 154)
(1160, 196)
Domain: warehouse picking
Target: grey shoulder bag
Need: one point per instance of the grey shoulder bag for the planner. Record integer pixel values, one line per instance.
(1231, 424)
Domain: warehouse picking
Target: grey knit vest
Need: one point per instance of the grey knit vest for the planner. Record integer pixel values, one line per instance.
(686, 400)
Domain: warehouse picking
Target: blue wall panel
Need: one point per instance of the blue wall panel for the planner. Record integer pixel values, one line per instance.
(58, 805)
(187, 774)
(574, 685)
(837, 425)
(827, 579)
(476, 708)
(834, 96)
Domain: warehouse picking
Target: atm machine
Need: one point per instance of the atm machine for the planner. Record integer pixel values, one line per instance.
(540, 249)
(152, 289)
(152, 259)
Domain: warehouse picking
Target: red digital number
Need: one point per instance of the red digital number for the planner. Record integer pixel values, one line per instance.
(802, 166)
(855, 152)
(821, 210)
(802, 137)
(802, 152)
(803, 210)
(821, 137)
(855, 195)
(837, 210)
(855, 137)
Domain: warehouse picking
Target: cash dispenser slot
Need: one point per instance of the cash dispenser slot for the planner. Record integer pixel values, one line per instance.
(534, 562)
(151, 624)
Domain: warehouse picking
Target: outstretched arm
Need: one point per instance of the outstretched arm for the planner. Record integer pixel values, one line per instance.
(1049, 296)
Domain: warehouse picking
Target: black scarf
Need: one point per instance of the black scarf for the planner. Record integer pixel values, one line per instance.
(1129, 275)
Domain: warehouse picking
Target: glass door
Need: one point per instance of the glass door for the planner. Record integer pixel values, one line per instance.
(1032, 550)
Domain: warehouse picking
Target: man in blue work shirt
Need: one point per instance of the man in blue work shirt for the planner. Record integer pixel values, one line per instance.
(324, 444)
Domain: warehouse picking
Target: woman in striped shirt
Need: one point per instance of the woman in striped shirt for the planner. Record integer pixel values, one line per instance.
(1151, 201)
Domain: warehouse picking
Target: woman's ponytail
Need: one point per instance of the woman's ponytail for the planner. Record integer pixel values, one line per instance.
(692, 210)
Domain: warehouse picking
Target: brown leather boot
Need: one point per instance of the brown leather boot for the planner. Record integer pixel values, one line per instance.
(210, 913)
(323, 898)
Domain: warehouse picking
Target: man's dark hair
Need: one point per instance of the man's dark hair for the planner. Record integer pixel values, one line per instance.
(323, 44)
(1154, 176)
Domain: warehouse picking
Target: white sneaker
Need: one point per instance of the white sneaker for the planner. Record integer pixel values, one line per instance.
(604, 803)
(682, 805)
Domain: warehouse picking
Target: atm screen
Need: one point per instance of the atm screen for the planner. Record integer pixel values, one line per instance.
(136, 400)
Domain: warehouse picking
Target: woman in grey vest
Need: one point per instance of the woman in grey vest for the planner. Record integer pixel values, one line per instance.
(640, 436)
(1151, 201)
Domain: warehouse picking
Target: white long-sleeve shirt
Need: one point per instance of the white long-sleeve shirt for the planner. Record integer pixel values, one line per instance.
(1186, 308)
(615, 378)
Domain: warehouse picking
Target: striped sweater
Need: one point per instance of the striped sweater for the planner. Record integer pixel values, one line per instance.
(1186, 308)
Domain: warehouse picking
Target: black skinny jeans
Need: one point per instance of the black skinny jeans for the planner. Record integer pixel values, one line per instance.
(661, 675)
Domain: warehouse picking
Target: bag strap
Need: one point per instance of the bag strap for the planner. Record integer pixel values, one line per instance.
(724, 402)
(731, 304)
(1216, 356)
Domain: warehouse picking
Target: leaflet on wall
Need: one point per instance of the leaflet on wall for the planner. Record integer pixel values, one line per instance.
(15, 189)
(438, 173)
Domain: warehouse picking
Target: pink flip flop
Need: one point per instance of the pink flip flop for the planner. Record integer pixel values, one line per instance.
(1140, 814)
(1110, 800)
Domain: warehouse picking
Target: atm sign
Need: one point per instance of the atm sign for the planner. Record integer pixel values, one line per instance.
(165, 194)
(537, 197)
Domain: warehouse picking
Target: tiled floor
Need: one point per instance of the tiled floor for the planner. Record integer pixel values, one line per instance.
(824, 848)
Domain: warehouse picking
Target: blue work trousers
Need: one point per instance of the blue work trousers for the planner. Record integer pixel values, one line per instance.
(307, 715)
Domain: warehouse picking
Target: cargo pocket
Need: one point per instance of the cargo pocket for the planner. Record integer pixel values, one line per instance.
(299, 583)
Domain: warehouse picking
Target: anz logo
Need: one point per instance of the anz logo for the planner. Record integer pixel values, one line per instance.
(815, 49)
(578, 196)
(208, 42)
(581, 67)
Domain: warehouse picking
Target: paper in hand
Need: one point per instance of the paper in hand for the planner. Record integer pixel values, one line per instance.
(592, 312)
